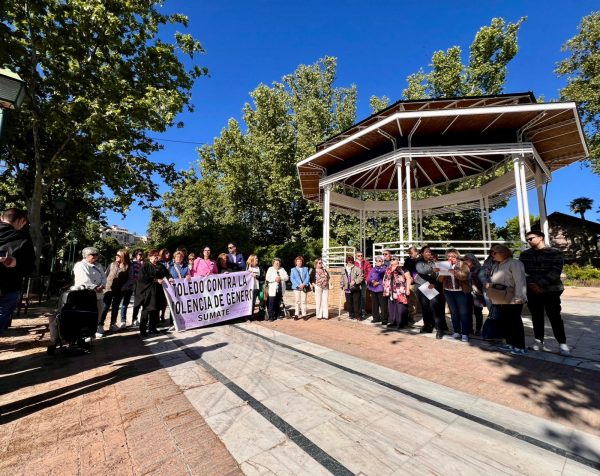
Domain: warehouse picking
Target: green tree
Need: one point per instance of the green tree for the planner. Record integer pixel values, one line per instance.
(248, 177)
(581, 205)
(582, 69)
(378, 103)
(98, 80)
(493, 47)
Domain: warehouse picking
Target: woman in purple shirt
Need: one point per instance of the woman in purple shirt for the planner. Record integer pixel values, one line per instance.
(375, 285)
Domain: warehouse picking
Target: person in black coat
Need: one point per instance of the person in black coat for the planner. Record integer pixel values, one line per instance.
(17, 261)
(149, 292)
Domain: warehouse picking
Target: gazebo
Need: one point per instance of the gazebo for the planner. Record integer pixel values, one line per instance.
(508, 143)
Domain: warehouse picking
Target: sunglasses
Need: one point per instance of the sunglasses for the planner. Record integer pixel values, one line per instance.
(532, 238)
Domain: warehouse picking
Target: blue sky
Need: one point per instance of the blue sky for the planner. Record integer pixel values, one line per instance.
(377, 44)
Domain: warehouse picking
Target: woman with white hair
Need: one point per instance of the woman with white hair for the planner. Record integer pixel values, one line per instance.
(90, 275)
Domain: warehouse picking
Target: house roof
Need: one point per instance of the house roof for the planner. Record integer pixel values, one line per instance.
(447, 140)
(563, 218)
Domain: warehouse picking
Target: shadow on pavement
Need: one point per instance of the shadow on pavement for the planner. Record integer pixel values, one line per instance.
(123, 353)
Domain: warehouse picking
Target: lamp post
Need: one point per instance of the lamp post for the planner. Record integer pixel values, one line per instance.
(12, 94)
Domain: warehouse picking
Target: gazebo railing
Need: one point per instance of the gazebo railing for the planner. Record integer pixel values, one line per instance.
(478, 247)
(335, 257)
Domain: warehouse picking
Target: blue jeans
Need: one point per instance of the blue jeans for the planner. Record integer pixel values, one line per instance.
(8, 304)
(461, 311)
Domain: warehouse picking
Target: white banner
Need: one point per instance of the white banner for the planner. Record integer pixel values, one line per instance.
(199, 302)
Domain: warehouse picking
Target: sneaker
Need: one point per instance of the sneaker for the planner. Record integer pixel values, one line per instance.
(123, 325)
(517, 351)
(135, 323)
(456, 335)
(439, 334)
(505, 347)
(99, 335)
(465, 338)
(564, 349)
(114, 327)
(537, 345)
(100, 330)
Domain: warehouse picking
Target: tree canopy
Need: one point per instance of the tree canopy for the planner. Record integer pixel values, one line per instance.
(248, 177)
(582, 69)
(99, 78)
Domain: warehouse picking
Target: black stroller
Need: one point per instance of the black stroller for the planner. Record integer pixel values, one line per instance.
(77, 320)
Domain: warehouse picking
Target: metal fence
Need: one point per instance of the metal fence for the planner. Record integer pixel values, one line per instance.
(335, 257)
(478, 247)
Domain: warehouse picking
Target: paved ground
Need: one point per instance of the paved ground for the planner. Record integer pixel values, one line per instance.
(300, 398)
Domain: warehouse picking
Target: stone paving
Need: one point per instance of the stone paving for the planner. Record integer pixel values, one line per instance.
(295, 397)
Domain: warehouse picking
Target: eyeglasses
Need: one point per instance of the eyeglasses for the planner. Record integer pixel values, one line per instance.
(359, 256)
(93, 254)
(532, 238)
(230, 247)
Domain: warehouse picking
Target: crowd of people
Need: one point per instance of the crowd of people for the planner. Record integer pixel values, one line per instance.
(397, 290)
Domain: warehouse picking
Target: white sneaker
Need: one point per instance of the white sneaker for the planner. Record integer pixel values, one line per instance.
(564, 349)
(456, 335)
(123, 325)
(465, 338)
(100, 330)
(537, 345)
(114, 327)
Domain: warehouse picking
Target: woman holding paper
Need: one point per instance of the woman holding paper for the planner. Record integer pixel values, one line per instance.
(396, 287)
(253, 268)
(276, 278)
(429, 293)
(457, 290)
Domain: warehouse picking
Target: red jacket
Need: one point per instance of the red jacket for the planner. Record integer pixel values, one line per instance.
(365, 267)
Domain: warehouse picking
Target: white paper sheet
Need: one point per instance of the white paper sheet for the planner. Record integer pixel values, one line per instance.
(444, 267)
(427, 292)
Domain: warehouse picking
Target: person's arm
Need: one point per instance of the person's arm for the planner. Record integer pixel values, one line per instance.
(283, 275)
(409, 281)
(306, 278)
(518, 273)
(358, 276)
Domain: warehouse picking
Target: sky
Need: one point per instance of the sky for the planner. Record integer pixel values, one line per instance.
(377, 45)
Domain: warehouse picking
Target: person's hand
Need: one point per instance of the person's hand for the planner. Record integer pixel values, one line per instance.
(487, 285)
(375, 283)
(452, 272)
(535, 288)
(99, 289)
(301, 287)
(171, 280)
(435, 270)
(431, 286)
(408, 291)
(277, 279)
(160, 281)
(8, 261)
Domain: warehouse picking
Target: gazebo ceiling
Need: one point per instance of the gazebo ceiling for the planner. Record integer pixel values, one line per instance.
(447, 140)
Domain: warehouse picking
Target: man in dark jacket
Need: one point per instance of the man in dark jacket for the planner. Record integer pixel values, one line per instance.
(543, 267)
(17, 260)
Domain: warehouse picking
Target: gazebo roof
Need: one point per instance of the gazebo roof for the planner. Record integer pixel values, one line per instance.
(448, 139)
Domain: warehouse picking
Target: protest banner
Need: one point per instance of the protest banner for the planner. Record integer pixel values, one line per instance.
(199, 302)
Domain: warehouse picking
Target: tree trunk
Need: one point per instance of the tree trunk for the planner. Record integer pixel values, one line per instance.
(35, 207)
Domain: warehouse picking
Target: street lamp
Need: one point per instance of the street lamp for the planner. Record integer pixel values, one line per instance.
(12, 93)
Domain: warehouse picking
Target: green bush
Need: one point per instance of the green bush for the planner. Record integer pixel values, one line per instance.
(581, 273)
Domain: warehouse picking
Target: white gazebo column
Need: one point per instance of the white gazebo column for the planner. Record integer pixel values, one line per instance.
(521, 197)
(486, 204)
(400, 205)
(326, 223)
(408, 200)
(525, 195)
(484, 236)
(539, 183)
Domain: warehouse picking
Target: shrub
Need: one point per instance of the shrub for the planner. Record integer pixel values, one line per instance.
(581, 273)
